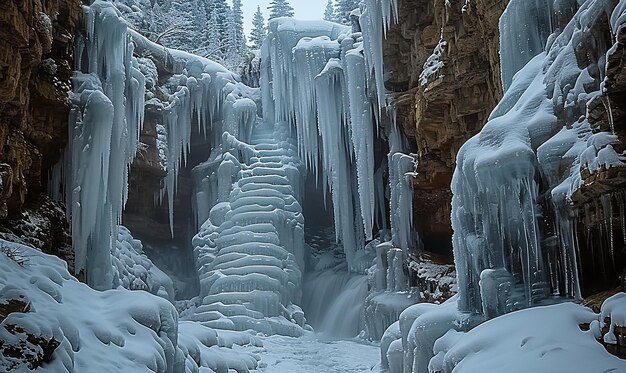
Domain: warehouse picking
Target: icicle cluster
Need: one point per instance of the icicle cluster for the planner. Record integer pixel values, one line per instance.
(506, 256)
(317, 77)
(401, 167)
(107, 113)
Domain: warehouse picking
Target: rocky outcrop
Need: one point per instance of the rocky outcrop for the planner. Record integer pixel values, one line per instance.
(35, 69)
(444, 96)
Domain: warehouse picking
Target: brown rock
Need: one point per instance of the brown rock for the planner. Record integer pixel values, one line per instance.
(454, 103)
(33, 96)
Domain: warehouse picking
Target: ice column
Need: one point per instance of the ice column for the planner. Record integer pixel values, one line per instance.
(107, 112)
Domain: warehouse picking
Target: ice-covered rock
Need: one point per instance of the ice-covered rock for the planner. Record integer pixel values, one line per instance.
(536, 143)
(250, 250)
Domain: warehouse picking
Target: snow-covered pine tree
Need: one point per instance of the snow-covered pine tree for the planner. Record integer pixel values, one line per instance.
(258, 29)
(220, 11)
(236, 42)
(343, 10)
(329, 13)
(214, 47)
(280, 8)
(240, 37)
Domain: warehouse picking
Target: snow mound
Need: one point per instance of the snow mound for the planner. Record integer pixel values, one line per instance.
(61, 325)
(541, 339)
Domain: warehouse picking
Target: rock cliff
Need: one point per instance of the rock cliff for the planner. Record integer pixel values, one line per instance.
(36, 64)
(444, 69)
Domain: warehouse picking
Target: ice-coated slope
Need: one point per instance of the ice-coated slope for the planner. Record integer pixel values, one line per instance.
(250, 251)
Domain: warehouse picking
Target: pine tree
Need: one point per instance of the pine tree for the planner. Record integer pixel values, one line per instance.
(236, 42)
(280, 8)
(343, 10)
(220, 10)
(329, 13)
(213, 49)
(258, 29)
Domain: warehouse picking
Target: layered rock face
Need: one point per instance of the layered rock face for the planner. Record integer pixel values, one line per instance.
(443, 65)
(35, 69)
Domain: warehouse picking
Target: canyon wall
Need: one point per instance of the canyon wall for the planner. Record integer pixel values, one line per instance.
(444, 69)
(36, 64)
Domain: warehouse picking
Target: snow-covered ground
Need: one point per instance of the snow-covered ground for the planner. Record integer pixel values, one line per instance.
(311, 354)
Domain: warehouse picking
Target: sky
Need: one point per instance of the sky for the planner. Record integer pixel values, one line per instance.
(304, 9)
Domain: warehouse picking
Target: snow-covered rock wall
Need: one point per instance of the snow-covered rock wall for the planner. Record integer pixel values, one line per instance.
(523, 167)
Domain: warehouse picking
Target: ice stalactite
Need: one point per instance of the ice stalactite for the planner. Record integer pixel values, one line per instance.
(206, 93)
(401, 169)
(336, 163)
(335, 114)
(375, 21)
(107, 114)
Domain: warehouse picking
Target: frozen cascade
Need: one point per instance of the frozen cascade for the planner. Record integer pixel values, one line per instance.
(524, 30)
(333, 302)
(315, 76)
(107, 105)
(251, 248)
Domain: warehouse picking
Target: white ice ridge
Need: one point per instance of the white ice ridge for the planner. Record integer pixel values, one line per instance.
(250, 250)
(316, 76)
(107, 113)
(506, 258)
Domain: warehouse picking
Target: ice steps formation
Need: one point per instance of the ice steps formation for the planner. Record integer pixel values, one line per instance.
(251, 249)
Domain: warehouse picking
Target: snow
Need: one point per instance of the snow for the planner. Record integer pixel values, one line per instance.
(110, 331)
(308, 354)
(433, 64)
(540, 339)
(614, 310)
